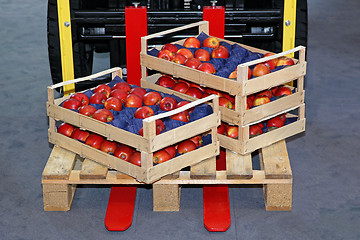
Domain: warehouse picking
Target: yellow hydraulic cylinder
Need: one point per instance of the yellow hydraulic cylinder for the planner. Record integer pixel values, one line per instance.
(66, 48)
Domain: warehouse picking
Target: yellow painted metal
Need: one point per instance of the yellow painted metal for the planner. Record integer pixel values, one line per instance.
(289, 25)
(66, 50)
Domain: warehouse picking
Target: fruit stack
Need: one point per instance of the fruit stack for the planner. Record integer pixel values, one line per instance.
(258, 107)
(140, 132)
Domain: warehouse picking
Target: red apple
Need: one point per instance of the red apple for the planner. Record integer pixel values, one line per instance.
(220, 52)
(104, 89)
(98, 98)
(160, 125)
(207, 67)
(234, 74)
(211, 42)
(66, 129)
(202, 55)
(133, 100)
(143, 112)
(225, 102)
(193, 63)
(141, 131)
(194, 92)
(197, 86)
(81, 97)
(171, 150)
(108, 146)
(222, 128)
(271, 63)
(166, 81)
(232, 131)
(72, 103)
(255, 130)
(179, 58)
(135, 158)
(212, 91)
(166, 55)
(186, 146)
(171, 47)
(183, 81)
(87, 110)
(123, 86)
(192, 42)
(80, 134)
(186, 52)
(283, 117)
(113, 103)
(274, 123)
(168, 104)
(198, 140)
(181, 116)
(138, 91)
(260, 100)
(103, 115)
(180, 87)
(161, 156)
(119, 94)
(123, 152)
(231, 98)
(273, 90)
(94, 140)
(260, 70)
(283, 90)
(284, 61)
(152, 98)
(205, 95)
(267, 93)
(182, 103)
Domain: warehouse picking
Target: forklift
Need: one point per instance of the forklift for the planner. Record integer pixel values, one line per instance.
(99, 27)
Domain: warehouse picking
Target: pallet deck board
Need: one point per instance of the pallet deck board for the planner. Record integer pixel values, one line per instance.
(92, 170)
(276, 162)
(60, 164)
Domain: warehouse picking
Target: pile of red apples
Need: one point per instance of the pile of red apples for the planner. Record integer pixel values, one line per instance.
(199, 60)
(125, 152)
(255, 129)
(122, 93)
(225, 100)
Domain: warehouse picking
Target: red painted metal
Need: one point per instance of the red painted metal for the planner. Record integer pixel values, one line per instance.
(216, 18)
(217, 216)
(135, 28)
(120, 208)
(216, 204)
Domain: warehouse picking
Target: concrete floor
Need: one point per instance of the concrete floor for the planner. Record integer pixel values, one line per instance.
(325, 160)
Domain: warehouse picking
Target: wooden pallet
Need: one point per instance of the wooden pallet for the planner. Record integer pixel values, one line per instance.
(64, 170)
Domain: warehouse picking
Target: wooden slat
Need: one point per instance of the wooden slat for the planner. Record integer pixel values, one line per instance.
(189, 130)
(273, 79)
(184, 178)
(273, 136)
(276, 162)
(263, 112)
(60, 164)
(205, 169)
(92, 170)
(238, 165)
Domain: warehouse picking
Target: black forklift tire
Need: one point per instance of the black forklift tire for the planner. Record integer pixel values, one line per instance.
(82, 52)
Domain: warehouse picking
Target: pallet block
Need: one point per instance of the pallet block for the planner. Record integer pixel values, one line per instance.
(64, 170)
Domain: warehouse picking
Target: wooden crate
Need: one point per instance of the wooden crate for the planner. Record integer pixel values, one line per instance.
(65, 170)
(147, 144)
(240, 88)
